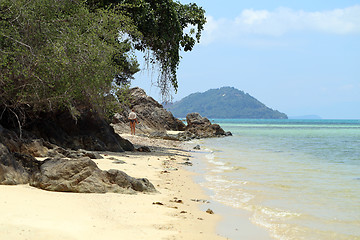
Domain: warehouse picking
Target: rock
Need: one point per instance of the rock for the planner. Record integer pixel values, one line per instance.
(34, 147)
(143, 149)
(119, 162)
(92, 155)
(201, 127)
(30, 164)
(197, 147)
(196, 118)
(10, 139)
(209, 211)
(151, 115)
(83, 176)
(186, 136)
(11, 171)
(187, 163)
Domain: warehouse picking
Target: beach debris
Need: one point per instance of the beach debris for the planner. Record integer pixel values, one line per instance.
(187, 163)
(177, 201)
(119, 162)
(158, 203)
(183, 212)
(164, 172)
(209, 211)
(143, 149)
(173, 169)
(197, 147)
(200, 200)
(200, 218)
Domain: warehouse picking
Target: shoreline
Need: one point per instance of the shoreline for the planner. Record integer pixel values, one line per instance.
(173, 213)
(235, 223)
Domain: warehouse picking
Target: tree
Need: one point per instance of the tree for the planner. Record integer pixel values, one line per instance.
(55, 54)
(70, 53)
(167, 27)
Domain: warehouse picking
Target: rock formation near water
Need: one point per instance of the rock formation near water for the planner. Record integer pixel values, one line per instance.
(155, 120)
(68, 145)
(202, 127)
(151, 115)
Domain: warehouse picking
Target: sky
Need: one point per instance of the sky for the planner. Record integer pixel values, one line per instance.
(301, 57)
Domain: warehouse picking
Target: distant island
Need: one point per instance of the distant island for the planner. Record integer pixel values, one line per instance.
(305, 117)
(225, 102)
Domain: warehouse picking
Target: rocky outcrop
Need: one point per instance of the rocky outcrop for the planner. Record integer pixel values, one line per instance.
(66, 175)
(198, 127)
(201, 127)
(83, 176)
(155, 120)
(89, 132)
(151, 115)
(11, 171)
(69, 168)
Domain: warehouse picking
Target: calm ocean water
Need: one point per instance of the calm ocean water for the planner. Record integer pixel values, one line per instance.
(299, 179)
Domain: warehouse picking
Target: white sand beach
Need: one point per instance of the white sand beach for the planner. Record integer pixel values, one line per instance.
(33, 214)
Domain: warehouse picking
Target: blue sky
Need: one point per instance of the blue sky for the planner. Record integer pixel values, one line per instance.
(299, 57)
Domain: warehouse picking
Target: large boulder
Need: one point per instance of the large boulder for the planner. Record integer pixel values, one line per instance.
(151, 115)
(66, 175)
(196, 119)
(201, 127)
(83, 176)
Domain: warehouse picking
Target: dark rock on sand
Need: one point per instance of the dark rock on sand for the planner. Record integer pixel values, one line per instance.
(66, 175)
(209, 211)
(83, 176)
(187, 163)
(143, 149)
(11, 171)
(197, 147)
(201, 127)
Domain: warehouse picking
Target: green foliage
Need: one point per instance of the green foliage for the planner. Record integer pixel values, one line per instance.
(225, 102)
(75, 53)
(167, 28)
(58, 54)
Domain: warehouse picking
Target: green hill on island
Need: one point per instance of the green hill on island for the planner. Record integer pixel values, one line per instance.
(225, 102)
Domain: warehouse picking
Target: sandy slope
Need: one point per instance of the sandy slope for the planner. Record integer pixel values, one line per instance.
(33, 214)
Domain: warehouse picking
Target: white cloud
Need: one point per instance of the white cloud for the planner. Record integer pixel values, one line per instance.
(282, 21)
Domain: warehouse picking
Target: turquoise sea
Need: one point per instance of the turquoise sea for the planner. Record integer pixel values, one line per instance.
(298, 179)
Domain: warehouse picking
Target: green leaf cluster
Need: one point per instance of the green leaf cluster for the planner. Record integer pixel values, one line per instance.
(167, 28)
(70, 54)
(57, 53)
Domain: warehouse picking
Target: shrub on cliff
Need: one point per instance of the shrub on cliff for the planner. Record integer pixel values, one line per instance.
(62, 54)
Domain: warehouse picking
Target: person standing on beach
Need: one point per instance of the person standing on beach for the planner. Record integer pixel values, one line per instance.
(133, 120)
